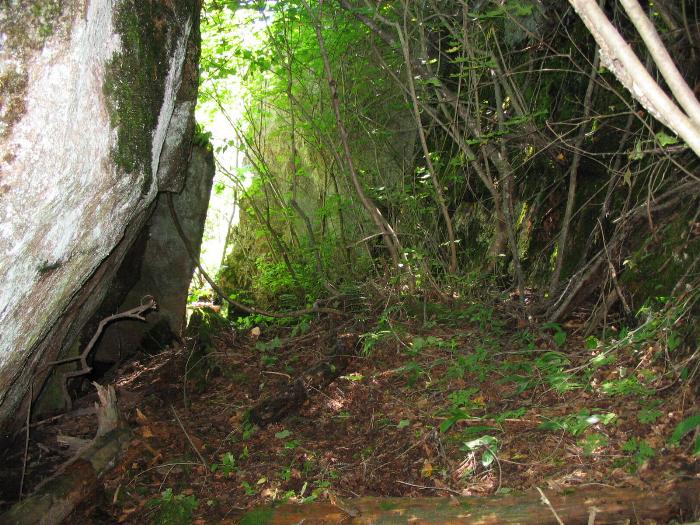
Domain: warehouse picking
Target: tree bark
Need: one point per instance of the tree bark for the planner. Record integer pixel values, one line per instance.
(584, 506)
(617, 56)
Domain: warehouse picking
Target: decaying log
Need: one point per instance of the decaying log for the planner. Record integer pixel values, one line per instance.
(275, 408)
(590, 505)
(107, 410)
(56, 497)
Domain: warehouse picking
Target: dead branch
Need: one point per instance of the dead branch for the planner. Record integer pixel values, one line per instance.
(316, 378)
(147, 303)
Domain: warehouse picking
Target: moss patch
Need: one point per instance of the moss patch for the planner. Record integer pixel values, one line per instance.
(29, 23)
(135, 80)
(13, 85)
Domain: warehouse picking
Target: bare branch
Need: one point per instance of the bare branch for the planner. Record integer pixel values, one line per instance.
(617, 56)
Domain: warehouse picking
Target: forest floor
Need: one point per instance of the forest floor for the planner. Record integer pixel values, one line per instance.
(455, 400)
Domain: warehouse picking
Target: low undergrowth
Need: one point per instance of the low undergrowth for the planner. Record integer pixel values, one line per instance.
(454, 399)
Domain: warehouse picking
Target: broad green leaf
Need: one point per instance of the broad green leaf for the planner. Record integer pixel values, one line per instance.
(666, 139)
(684, 427)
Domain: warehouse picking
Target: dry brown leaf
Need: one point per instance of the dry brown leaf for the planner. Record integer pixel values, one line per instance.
(140, 417)
(427, 470)
(125, 514)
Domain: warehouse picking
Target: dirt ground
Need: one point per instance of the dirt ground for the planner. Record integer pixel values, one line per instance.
(460, 401)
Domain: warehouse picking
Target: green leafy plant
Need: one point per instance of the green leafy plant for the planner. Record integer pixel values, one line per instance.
(553, 365)
(462, 403)
(626, 386)
(486, 445)
(227, 465)
(576, 424)
(558, 335)
(371, 339)
(507, 414)
(249, 489)
(419, 343)
(593, 442)
(283, 434)
(413, 372)
(640, 451)
(649, 413)
(477, 362)
(684, 427)
(272, 344)
(173, 509)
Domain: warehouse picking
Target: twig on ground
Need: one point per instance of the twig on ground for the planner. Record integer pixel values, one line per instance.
(426, 487)
(199, 454)
(546, 501)
(592, 514)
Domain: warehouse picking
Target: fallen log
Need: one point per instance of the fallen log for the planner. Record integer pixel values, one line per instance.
(277, 407)
(56, 497)
(597, 505)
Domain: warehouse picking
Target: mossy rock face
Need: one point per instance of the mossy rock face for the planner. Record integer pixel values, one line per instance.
(135, 83)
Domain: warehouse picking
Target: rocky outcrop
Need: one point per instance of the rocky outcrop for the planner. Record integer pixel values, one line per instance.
(157, 265)
(96, 118)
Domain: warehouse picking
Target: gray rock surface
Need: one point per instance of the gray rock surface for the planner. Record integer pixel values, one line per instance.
(158, 266)
(96, 102)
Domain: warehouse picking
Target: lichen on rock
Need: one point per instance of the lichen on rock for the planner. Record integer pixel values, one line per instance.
(24, 28)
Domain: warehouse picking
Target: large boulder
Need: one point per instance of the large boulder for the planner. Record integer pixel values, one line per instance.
(158, 265)
(96, 118)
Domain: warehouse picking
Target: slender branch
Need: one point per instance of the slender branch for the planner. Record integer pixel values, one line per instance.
(189, 439)
(617, 55)
(573, 174)
(679, 87)
(439, 195)
(388, 235)
(546, 501)
(26, 441)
